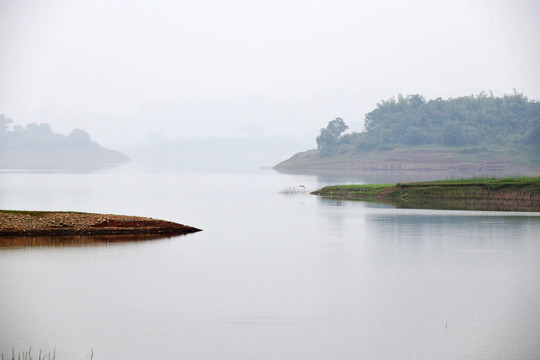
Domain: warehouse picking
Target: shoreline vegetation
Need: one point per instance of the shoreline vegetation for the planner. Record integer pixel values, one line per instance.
(504, 194)
(64, 223)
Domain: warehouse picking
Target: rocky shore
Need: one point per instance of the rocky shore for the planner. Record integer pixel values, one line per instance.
(44, 223)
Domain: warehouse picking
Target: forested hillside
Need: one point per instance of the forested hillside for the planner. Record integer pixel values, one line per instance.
(464, 121)
(38, 147)
(488, 127)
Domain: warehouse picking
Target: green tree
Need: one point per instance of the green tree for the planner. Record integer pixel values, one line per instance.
(78, 138)
(4, 125)
(329, 137)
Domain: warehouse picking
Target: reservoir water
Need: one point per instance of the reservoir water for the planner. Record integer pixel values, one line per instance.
(276, 273)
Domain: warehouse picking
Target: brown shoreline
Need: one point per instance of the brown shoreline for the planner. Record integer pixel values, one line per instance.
(37, 223)
(415, 160)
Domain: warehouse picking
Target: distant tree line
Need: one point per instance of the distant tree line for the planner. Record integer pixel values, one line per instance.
(40, 136)
(36, 146)
(476, 120)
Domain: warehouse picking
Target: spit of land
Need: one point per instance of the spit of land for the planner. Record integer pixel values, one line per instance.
(507, 194)
(57, 223)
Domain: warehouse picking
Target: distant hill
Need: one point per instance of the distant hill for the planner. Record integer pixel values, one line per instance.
(481, 132)
(37, 147)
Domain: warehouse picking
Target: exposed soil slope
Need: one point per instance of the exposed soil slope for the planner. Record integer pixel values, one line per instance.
(449, 160)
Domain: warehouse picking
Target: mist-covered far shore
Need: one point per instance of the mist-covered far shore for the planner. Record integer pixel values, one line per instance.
(37, 147)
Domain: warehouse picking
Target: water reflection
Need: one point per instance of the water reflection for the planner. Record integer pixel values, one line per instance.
(271, 277)
(453, 204)
(467, 204)
(11, 242)
(334, 177)
(514, 205)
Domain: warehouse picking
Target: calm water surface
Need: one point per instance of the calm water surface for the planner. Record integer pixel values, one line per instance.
(272, 276)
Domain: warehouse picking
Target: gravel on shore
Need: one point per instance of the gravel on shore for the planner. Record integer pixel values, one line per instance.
(73, 223)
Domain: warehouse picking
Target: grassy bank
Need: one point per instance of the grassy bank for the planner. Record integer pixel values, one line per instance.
(507, 194)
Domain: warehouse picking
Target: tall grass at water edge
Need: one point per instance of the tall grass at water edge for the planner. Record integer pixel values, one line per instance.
(42, 355)
(294, 190)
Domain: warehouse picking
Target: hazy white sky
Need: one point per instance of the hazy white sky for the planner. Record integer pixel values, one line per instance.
(119, 69)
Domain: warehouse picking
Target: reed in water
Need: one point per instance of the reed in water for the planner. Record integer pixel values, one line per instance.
(42, 355)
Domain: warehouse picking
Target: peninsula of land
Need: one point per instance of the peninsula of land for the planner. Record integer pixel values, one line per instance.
(508, 194)
(470, 134)
(53, 223)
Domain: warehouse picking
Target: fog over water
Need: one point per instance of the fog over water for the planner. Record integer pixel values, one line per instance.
(241, 68)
